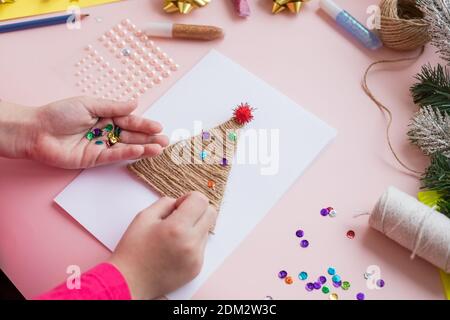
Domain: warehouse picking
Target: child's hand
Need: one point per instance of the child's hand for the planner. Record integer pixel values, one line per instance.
(163, 247)
(60, 139)
(56, 133)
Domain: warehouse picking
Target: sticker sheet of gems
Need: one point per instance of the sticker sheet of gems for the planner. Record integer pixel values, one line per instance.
(122, 64)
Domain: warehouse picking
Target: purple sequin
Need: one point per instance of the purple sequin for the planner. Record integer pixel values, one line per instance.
(317, 285)
(324, 212)
(309, 286)
(380, 283)
(206, 135)
(322, 279)
(304, 243)
(337, 284)
(282, 274)
(299, 233)
(360, 296)
(97, 132)
(224, 162)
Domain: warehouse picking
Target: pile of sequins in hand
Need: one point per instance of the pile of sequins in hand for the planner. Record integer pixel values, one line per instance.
(109, 135)
(330, 280)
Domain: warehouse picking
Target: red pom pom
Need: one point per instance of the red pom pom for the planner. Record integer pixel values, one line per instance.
(243, 114)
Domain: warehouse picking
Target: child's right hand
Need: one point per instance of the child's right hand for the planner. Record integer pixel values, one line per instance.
(163, 247)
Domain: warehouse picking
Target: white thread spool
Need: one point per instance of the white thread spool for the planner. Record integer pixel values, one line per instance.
(413, 225)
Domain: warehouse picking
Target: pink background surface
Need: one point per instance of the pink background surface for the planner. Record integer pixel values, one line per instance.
(309, 60)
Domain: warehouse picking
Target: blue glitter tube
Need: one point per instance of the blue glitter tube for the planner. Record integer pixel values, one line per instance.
(369, 39)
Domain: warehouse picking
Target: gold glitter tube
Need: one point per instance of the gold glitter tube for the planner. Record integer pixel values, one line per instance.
(183, 31)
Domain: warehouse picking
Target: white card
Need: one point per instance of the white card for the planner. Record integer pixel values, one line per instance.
(105, 200)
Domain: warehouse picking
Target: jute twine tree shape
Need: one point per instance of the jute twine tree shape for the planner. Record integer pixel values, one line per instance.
(201, 163)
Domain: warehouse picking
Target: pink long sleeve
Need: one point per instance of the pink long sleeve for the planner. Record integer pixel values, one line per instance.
(103, 282)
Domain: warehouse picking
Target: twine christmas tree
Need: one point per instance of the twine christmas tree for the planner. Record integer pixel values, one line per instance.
(201, 163)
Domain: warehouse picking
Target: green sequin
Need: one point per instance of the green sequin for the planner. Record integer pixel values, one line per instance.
(109, 127)
(325, 289)
(99, 142)
(232, 136)
(89, 135)
(345, 285)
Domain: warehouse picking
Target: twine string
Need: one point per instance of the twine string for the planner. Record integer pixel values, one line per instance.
(385, 110)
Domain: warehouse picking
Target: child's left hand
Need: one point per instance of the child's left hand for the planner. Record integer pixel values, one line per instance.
(55, 134)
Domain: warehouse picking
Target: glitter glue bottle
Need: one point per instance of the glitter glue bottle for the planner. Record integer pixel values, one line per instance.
(369, 39)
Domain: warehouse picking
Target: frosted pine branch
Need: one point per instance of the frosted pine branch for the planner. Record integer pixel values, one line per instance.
(437, 14)
(430, 130)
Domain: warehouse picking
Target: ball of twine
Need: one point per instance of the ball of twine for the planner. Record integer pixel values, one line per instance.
(403, 26)
(413, 225)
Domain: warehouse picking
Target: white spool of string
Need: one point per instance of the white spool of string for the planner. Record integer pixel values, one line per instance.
(413, 225)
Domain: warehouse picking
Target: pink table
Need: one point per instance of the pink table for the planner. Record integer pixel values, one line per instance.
(309, 60)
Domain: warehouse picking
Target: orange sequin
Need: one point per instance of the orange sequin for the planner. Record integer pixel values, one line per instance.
(288, 280)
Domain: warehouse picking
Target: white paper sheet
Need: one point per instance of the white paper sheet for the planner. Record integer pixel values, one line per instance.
(208, 93)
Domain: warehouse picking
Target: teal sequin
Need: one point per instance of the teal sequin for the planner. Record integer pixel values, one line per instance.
(303, 275)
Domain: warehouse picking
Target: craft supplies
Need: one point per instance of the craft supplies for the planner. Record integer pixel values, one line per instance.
(328, 212)
(182, 31)
(242, 8)
(288, 280)
(293, 6)
(366, 37)
(122, 65)
(350, 234)
(304, 243)
(183, 6)
(403, 26)
(413, 225)
(162, 172)
(20, 9)
(31, 24)
(360, 296)
(111, 132)
(334, 296)
(105, 216)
